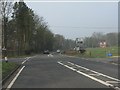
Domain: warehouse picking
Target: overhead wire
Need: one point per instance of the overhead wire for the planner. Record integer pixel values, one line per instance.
(85, 27)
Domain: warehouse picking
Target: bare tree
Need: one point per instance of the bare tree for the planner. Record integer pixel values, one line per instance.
(5, 10)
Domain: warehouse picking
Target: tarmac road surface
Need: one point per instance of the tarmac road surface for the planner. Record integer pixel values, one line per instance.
(59, 71)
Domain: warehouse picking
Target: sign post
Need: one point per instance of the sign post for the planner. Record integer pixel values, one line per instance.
(5, 54)
(80, 45)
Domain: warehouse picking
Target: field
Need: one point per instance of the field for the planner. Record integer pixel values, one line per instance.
(96, 52)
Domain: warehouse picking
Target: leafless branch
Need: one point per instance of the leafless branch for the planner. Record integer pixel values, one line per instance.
(5, 8)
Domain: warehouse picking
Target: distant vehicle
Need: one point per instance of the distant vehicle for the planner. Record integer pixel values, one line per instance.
(62, 52)
(46, 52)
(58, 51)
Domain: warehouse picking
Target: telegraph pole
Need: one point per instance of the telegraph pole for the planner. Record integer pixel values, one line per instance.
(0, 37)
(4, 37)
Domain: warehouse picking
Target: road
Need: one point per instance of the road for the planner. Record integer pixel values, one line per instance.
(60, 71)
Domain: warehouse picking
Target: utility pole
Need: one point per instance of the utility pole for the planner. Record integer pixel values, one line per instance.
(5, 10)
(4, 27)
(0, 37)
(4, 50)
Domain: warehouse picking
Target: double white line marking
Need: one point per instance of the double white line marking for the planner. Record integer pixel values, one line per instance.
(91, 77)
(96, 72)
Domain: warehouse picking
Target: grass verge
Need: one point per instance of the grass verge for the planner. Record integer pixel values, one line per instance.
(96, 52)
(7, 68)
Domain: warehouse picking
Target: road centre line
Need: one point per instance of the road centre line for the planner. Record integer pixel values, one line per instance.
(94, 74)
(79, 66)
(91, 77)
(13, 81)
(112, 82)
(97, 72)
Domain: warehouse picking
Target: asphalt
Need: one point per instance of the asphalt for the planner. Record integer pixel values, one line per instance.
(99, 66)
(43, 71)
(17, 60)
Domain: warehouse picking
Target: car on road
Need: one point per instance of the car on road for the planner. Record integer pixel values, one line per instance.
(46, 52)
(58, 51)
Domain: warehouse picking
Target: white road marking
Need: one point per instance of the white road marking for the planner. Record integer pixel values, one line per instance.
(50, 55)
(114, 63)
(25, 60)
(12, 82)
(97, 72)
(91, 77)
(94, 74)
(112, 82)
(71, 63)
(28, 58)
(79, 66)
(67, 66)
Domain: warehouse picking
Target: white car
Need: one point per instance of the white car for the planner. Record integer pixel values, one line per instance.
(58, 51)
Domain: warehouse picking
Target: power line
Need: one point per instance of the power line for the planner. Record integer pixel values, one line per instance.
(84, 27)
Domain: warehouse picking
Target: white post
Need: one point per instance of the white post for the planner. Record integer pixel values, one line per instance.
(6, 60)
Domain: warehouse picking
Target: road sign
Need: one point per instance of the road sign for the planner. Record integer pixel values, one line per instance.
(80, 45)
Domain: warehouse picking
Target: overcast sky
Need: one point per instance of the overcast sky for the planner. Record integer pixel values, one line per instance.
(78, 19)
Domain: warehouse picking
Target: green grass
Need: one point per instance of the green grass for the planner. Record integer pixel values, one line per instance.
(98, 52)
(7, 68)
(101, 52)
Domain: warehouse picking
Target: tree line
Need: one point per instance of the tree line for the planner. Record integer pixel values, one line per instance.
(25, 32)
(112, 39)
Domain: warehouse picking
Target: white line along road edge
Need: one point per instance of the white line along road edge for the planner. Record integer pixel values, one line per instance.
(91, 77)
(25, 60)
(12, 82)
